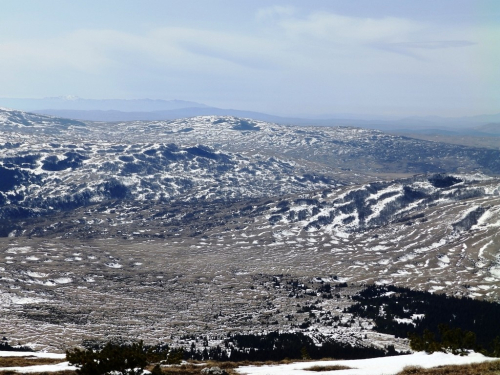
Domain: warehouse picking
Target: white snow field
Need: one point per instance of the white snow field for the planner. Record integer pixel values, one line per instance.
(373, 366)
(63, 366)
(32, 354)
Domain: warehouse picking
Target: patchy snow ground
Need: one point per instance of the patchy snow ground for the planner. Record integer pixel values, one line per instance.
(38, 368)
(373, 366)
(63, 366)
(32, 354)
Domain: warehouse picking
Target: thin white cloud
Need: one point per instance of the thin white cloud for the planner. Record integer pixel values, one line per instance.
(344, 29)
(439, 44)
(274, 12)
(317, 37)
(242, 50)
(319, 58)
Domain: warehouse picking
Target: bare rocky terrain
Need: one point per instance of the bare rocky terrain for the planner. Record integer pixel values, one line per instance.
(175, 231)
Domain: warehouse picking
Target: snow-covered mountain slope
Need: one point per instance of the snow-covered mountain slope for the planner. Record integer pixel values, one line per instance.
(344, 148)
(45, 177)
(436, 232)
(274, 190)
(12, 120)
(186, 226)
(208, 268)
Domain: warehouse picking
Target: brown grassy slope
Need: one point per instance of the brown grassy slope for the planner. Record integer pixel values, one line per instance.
(27, 361)
(327, 368)
(487, 368)
(67, 372)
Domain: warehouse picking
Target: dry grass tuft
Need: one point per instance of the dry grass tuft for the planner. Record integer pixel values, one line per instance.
(327, 368)
(231, 365)
(191, 369)
(182, 370)
(410, 370)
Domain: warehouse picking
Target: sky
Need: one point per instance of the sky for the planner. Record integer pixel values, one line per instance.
(289, 58)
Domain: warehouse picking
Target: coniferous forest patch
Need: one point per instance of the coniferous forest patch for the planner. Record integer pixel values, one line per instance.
(402, 311)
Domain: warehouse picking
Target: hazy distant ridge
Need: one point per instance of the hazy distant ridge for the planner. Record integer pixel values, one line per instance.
(70, 103)
(114, 115)
(155, 110)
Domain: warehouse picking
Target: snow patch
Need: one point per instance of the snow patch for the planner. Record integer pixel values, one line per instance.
(373, 366)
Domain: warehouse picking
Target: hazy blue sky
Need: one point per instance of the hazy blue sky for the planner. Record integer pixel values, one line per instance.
(398, 57)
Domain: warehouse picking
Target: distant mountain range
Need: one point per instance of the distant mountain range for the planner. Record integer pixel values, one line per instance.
(172, 114)
(74, 103)
(112, 110)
